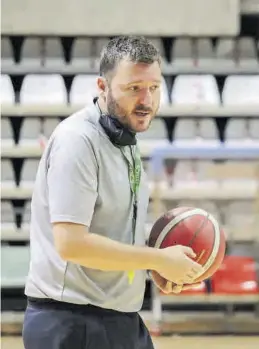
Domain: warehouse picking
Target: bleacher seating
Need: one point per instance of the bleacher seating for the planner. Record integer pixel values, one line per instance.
(6, 132)
(247, 52)
(31, 57)
(193, 91)
(205, 52)
(54, 57)
(14, 274)
(7, 91)
(83, 89)
(225, 53)
(241, 90)
(30, 131)
(43, 89)
(6, 52)
(7, 173)
(29, 171)
(182, 52)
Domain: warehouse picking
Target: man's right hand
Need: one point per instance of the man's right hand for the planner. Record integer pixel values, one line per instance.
(175, 264)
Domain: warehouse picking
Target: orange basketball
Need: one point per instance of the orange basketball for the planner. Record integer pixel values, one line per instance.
(193, 227)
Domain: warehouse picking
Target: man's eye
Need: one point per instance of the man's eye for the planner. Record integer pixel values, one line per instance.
(154, 88)
(133, 88)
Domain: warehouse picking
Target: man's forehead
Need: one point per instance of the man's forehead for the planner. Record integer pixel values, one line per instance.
(129, 71)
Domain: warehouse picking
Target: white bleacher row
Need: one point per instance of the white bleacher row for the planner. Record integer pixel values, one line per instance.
(237, 217)
(187, 90)
(49, 51)
(34, 131)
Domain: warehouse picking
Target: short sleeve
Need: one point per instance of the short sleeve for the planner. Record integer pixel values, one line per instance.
(72, 179)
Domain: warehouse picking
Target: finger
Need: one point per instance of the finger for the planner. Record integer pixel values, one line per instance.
(188, 287)
(168, 287)
(188, 251)
(177, 289)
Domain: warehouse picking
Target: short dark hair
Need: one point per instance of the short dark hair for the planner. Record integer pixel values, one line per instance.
(137, 49)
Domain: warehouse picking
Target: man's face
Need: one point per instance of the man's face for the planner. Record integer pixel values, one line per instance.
(133, 95)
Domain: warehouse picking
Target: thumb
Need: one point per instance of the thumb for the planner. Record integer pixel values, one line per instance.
(188, 251)
(177, 289)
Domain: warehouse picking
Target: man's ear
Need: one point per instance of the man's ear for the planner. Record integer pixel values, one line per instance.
(101, 83)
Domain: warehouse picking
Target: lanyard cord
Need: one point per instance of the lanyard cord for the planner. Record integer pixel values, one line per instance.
(134, 178)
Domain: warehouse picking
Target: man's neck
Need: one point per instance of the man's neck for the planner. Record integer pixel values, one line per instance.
(102, 105)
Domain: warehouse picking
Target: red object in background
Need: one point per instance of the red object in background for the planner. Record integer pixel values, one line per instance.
(236, 275)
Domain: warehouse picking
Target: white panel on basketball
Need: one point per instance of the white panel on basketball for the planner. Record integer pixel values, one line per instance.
(83, 89)
(180, 217)
(216, 243)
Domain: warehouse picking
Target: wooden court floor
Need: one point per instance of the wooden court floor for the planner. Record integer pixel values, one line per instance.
(173, 342)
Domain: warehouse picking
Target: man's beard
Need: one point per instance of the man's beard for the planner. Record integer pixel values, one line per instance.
(115, 110)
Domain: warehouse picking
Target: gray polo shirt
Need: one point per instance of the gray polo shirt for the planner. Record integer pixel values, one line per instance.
(83, 178)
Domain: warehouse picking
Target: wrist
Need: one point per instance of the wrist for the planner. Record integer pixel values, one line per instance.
(155, 260)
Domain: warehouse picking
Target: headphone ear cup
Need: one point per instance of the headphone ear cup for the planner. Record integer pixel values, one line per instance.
(118, 134)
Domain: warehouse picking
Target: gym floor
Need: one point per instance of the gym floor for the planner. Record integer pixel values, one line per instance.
(173, 342)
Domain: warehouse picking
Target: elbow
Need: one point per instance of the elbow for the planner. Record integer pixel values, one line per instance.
(64, 252)
(64, 249)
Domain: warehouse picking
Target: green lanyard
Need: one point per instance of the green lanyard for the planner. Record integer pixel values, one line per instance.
(134, 178)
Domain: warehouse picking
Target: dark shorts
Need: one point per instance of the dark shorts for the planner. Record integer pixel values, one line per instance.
(59, 325)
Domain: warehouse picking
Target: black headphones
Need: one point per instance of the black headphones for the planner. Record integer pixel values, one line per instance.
(118, 134)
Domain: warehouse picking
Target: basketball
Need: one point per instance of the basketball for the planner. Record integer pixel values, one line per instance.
(195, 228)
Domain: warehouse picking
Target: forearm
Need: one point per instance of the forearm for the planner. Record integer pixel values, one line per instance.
(98, 252)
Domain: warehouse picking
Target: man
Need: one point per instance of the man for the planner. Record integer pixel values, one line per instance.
(88, 256)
